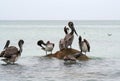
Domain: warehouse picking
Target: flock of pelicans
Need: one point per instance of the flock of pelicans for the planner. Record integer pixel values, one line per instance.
(12, 53)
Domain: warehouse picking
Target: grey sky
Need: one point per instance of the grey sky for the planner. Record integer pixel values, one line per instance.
(59, 9)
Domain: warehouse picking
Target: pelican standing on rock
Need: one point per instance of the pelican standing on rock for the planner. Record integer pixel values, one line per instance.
(11, 53)
(62, 42)
(84, 45)
(70, 36)
(46, 46)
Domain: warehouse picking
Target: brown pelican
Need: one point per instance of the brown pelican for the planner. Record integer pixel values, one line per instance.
(62, 42)
(47, 46)
(11, 53)
(84, 45)
(70, 36)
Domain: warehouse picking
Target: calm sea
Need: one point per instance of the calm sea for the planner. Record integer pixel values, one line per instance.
(103, 36)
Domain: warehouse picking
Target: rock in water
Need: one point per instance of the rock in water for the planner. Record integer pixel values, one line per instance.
(61, 54)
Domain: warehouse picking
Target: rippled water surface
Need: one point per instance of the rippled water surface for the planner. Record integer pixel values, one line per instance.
(51, 69)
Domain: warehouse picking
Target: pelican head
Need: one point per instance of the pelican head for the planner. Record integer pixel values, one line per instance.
(20, 43)
(66, 30)
(71, 25)
(40, 42)
(7, 44)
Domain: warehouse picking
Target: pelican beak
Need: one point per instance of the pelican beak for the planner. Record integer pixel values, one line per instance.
(71, 25)
(75, 31)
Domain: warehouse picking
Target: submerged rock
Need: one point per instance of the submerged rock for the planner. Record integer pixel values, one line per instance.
(61, 54)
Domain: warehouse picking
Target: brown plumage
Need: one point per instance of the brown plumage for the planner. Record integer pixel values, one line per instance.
(46, 46)
(70, 36)
(62, 42)
(84, 45)
(68, 39)
(11, 53)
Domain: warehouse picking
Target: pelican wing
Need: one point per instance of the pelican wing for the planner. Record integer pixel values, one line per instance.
(68, 40)
(61, 44)
(88, 45)
(10, 51)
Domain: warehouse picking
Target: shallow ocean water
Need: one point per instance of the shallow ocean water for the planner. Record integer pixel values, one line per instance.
(33, 66)
(46, 69)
